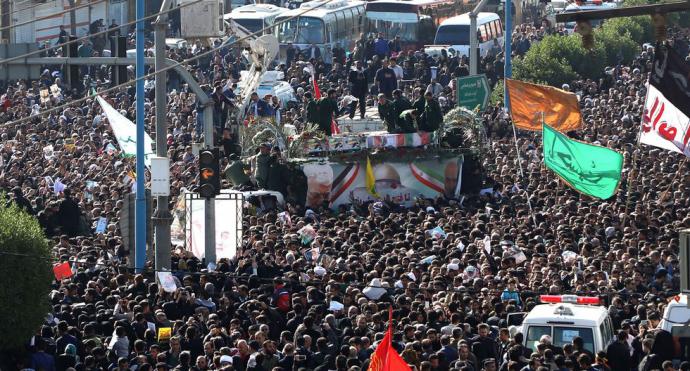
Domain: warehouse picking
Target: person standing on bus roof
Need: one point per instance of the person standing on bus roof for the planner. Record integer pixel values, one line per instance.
(338, 53)
(360, 47)
(395, 45)
(393, 64)
(311, 108)
(433, 115)
(387, 114)
(400, 104)
(290, 53)
(381, 46)
(327, 108)
(359, 87)
(313, 52)
(385, 80)
(370, 48)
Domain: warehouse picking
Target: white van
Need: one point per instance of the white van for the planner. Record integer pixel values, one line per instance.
(271, 83)
(454, 34)
(255, 17)
(677, 313)
(570, 27)
(564, 317)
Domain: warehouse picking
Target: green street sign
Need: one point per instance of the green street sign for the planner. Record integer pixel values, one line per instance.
(473, 91)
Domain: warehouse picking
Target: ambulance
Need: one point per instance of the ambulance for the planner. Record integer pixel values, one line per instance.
(565, 317)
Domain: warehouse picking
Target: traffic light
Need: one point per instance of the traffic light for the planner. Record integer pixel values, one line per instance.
(209, 172)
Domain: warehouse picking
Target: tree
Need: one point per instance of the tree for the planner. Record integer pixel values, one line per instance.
(26, 274)
(558, 60)
(638, 28)
(679, 19)
(543, 69)
(497, 94)
(619, 47)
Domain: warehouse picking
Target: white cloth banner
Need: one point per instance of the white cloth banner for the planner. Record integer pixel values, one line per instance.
(126, 133)
(664, 125)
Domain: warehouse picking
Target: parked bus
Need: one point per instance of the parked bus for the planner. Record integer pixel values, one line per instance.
(255, 17)
(335, 23)
(415, 21)
(231, 5)
(454, 34)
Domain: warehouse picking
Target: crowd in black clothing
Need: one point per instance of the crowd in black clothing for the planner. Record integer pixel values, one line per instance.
(289, 304)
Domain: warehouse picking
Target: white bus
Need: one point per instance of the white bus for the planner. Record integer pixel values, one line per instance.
(255, 18)
(454, 33)
(414, 21)
(335, 23)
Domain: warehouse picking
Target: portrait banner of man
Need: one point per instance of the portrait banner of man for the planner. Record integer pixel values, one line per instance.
(400, 182)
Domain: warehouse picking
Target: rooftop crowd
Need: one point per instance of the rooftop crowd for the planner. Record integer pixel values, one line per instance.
(283, 305)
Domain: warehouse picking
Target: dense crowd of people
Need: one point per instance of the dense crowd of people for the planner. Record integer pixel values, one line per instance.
(287, 304)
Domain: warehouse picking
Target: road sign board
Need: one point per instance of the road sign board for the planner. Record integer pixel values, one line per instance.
(473, 91)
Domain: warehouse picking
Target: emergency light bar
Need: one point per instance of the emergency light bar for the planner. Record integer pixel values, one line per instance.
(572, 299)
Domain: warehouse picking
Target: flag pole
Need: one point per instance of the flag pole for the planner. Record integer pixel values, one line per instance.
(633, 166)
(662, 197)
(140, 209)
(519, 158)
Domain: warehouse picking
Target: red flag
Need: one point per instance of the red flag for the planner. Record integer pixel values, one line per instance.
(386, 358)
(317, 91)
(62, 271)
(335, 129)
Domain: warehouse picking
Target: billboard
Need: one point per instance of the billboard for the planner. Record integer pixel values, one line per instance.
(228, 217)
(401, 182)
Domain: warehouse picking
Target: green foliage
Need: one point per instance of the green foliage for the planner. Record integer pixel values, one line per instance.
(557, 60)
(497, 94)
(639, 28)
(545, 69)
(26, 277)
(619, 47)
(677, 19)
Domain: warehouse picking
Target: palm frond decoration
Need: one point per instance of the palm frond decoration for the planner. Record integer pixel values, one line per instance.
(297, 143)
(463, 128)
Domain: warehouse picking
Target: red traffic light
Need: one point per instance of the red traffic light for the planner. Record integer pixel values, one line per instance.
(207, 173)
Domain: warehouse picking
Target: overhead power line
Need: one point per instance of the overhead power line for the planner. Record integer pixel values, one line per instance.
(167, 68)
(22, 9)
(39, 51)
(50, 15)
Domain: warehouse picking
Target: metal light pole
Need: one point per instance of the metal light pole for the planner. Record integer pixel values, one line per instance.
(508, 69)
(209, 203)
(474, 44)
(161, 216)
(73, 18)
(140, 211)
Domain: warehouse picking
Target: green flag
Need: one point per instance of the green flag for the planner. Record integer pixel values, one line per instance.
(590, 169)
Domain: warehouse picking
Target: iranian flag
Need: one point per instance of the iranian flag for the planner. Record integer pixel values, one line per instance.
(427, 177)
(665, 121)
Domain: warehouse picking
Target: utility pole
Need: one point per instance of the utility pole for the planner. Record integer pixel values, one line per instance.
(161, 216)
(140, 210)
(210, 203)
(474, 44)
(72, 18)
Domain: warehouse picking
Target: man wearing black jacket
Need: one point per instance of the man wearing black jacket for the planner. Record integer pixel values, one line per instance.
(483, 346)
(359, 88)
(618, 353)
